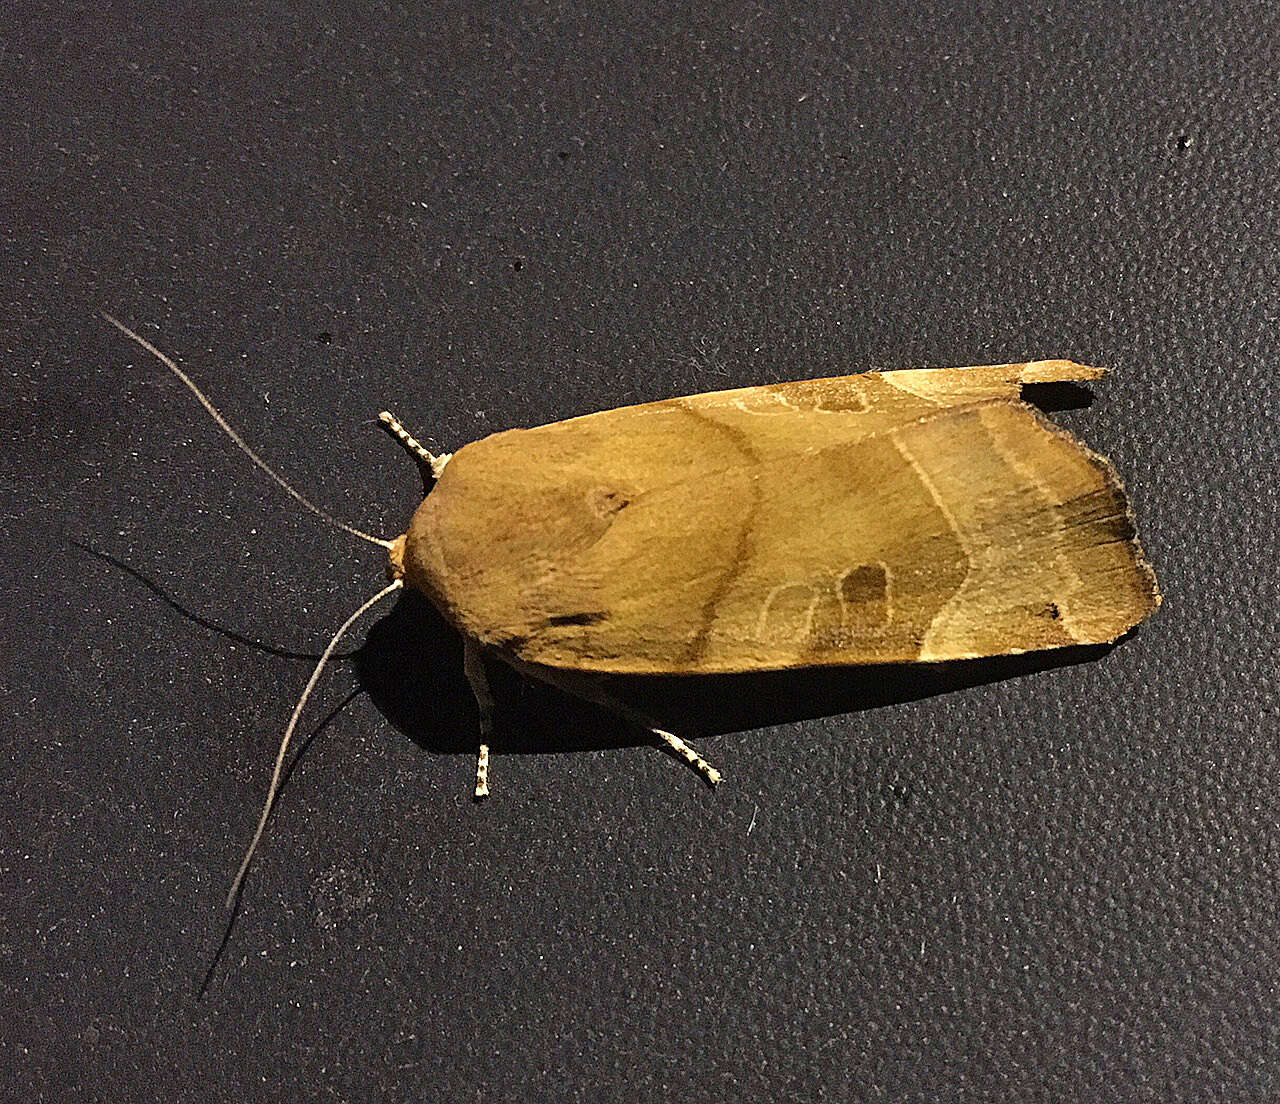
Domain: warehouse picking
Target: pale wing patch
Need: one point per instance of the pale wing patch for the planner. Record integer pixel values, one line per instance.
(1060, 610)
(786, 615)
(1008, 517)
(830, 612)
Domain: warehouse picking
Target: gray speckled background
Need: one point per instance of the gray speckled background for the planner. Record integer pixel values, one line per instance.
(1056, 886)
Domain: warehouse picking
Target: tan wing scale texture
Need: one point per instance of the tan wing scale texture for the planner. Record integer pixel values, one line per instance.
(914, 515)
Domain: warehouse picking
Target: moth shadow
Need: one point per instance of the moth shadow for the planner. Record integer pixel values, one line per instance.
(411, 667)
(1062, 395)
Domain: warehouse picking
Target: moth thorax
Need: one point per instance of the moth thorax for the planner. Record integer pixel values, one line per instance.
(395, 558)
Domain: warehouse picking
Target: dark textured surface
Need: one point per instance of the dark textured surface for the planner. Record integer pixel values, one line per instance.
(1059, 886)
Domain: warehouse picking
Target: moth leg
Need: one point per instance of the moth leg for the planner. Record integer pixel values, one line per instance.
(592, 692)
(473, 666)
(426, 459)
(482, 772)
(690, 756)
(667, 739)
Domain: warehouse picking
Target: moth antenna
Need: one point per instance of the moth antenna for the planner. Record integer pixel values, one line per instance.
(415, 447)
(274, 789)
(213, 412)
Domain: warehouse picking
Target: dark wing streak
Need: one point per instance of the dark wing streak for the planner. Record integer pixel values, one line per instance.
(742, 548)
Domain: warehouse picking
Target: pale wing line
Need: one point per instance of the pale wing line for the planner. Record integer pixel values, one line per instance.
(768, 602)
(958, 598)
(1032, 478)
(994, 377)
(777, 400)
(774, 392)
(838, 590)
(784, 406)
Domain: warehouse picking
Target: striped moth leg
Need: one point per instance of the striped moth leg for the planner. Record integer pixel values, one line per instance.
(473, 666)
(591, 691)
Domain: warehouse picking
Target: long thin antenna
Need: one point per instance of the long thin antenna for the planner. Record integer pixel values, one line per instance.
(169, 363)
(274, 789)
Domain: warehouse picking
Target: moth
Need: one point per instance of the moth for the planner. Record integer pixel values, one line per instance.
(919, 515)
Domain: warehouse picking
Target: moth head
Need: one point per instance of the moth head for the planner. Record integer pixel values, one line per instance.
(395, 557)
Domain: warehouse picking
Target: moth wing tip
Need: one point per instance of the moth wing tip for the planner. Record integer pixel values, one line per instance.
(1061, 371)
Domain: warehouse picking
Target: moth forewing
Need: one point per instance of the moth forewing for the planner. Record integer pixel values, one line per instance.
(883, 517)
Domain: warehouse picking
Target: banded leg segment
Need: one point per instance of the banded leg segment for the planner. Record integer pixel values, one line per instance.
(592, 692)
(690, 756)
(473, 666)
(482, 772)
(433, 463)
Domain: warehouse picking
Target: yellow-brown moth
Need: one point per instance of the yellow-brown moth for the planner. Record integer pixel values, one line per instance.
(901, 516)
